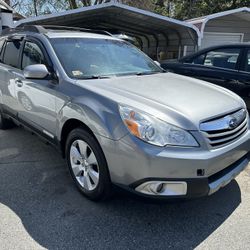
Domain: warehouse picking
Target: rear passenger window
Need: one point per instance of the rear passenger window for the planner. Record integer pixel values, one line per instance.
(247, 64)
(222, 58)
(11, 53)
(32, 54)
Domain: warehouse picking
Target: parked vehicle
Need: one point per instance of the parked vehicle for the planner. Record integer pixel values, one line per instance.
(117, 117)
(225, 65)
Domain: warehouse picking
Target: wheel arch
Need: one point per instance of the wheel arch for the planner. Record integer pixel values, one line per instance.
(67, 127)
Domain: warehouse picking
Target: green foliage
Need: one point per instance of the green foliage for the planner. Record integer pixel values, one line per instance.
(186, 9)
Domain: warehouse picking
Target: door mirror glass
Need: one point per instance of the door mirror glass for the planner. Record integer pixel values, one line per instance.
(35, 71)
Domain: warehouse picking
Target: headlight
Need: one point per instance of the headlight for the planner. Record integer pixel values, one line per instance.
(153, 130)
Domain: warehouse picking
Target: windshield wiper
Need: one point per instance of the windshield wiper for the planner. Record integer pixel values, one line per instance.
(148, 73)
(93, 77)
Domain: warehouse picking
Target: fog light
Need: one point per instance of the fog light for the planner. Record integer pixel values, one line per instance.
(163, 188)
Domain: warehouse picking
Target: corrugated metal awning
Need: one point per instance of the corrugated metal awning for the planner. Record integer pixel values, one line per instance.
(147, 26)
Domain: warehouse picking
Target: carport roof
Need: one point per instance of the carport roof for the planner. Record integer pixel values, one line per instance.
(122, 18)
(200, 22)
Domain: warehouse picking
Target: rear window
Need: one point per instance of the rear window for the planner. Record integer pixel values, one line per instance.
(11, 53)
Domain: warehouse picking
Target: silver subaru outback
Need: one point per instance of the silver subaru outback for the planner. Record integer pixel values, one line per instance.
(117, 117)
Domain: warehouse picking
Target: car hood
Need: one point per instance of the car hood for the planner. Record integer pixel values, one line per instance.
(179, 100)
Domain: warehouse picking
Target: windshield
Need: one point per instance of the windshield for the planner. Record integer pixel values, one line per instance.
(84, 58)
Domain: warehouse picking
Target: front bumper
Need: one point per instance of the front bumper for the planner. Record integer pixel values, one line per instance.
(132, 162)
(201, 186)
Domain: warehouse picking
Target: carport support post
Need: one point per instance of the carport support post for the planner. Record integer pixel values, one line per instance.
(179, 51)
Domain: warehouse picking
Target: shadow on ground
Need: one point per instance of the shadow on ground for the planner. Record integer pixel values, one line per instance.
(35, 184)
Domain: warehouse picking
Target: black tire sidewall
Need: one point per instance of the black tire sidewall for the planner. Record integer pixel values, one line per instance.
(3, 122)
(102, 191)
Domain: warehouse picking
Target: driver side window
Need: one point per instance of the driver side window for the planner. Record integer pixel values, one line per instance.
(32, 54)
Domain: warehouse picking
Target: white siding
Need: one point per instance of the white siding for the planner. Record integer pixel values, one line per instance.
(213, 38)
(229, 24)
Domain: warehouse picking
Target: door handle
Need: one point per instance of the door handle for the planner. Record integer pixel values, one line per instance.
(18, 82)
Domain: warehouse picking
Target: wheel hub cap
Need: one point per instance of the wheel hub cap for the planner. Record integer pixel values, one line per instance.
(84, 165)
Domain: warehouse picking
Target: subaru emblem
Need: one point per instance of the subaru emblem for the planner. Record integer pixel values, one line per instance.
(233, 123)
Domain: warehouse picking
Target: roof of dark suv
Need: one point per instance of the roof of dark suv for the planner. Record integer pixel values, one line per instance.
(230, 45)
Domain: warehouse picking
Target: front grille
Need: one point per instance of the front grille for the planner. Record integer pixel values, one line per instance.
(223, 130)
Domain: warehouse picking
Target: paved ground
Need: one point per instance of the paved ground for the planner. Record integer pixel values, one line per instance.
(41, 209)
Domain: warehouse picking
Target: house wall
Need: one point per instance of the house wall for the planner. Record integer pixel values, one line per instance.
(229, 24)
(6, 19)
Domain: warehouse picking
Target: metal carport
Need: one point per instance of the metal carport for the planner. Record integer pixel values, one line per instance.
(157, 35)
(231, 26)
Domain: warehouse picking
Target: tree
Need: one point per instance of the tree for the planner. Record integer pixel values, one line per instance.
(186, 9)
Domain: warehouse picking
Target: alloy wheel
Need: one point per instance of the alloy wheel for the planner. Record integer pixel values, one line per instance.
(84, 165)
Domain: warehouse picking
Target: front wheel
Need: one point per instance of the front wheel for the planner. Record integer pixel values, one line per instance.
(87, 165)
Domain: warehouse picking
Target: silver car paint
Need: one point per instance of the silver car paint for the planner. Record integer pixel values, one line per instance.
(181, 101)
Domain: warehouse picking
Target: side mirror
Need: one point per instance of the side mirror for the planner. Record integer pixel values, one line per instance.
(36, 71)
(157, 63)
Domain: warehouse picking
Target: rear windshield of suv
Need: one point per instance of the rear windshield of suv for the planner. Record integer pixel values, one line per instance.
(88, 57)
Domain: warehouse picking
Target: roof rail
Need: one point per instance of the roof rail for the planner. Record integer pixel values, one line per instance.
(59, 27)
(43, 29)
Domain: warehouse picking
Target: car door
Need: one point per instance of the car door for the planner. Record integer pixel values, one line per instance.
(9, 66)
(36, 97)
(219, 66)
(244, 77)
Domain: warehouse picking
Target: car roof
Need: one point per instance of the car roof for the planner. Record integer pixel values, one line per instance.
(57, 31)
(68, 34)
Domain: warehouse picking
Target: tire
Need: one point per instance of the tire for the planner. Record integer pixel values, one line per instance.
(87, 165)
(5, 123)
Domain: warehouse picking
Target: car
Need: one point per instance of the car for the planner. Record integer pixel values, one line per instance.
(225, 65)
(117, 117)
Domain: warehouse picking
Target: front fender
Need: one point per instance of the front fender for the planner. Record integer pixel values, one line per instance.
(100, 115)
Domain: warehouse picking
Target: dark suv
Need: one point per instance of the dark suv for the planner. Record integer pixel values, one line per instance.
(226, 65)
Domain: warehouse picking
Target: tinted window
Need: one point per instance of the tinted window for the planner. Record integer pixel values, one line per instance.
(11, 53)
(247, 64)
(32, 54)
(197, 60)
(222, 58)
